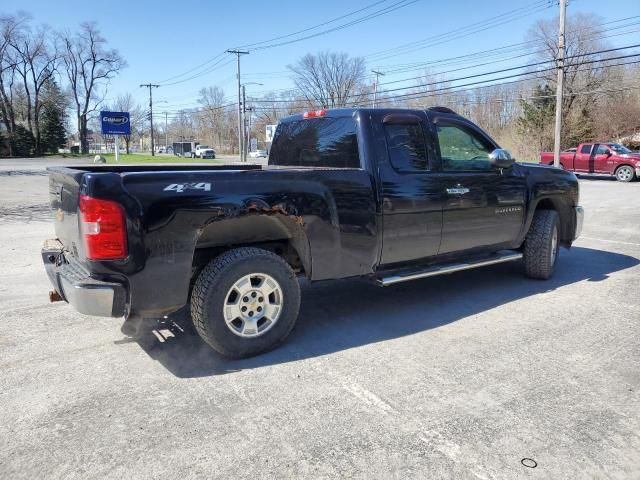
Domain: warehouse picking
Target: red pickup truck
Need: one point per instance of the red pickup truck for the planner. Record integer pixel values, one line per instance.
(599, 157)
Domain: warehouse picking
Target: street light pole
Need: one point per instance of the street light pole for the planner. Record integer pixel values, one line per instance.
(240, 132)
(559, 86)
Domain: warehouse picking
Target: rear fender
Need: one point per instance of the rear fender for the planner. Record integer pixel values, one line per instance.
(257, 222)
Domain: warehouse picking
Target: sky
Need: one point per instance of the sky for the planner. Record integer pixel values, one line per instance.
(163, 42)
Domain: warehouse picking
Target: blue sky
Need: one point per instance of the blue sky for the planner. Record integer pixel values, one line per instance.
(163, 39)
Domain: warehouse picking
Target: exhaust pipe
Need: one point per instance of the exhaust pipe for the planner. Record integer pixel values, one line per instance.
(55, 296)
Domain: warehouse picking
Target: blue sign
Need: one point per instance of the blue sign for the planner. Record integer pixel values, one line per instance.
(115, 123)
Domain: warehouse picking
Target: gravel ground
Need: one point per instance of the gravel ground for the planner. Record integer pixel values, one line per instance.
(462, 376)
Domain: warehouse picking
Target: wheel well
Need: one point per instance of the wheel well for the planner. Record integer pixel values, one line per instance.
(282, 248)
(623, 165)
(566, 234)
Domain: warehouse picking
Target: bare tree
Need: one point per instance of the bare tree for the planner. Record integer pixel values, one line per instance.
(137, 117)
(89, 65)
(329, 79)
(580, 43)
(10, 26)
(212, 114)
(36, 63)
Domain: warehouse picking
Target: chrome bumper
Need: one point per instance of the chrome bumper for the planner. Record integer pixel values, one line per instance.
(87, 295)
(579, 213)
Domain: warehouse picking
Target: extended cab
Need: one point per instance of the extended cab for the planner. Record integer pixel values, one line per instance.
(388, 195)
(599, 158)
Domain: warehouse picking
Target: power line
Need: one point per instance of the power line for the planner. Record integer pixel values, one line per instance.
(435, 93)
(214, 67)
(393, 7)
(476, 55)
(458, 33)
(194, 68)
(507, 49)
(384, 11)
(249, 45)
(496, 72)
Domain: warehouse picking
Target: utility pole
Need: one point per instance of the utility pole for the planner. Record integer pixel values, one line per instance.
(237, 53)
(150, 86)
(244, 124)
(166, 132)
(248, 139)
(375, 86)
(560, 85)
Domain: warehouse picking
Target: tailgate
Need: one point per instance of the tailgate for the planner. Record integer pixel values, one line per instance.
(64, 186)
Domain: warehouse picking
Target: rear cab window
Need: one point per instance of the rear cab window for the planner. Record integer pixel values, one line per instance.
(316, 142)
(406, 147)
(586, 148)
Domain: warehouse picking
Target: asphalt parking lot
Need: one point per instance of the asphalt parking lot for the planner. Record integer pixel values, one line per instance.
(461, 376)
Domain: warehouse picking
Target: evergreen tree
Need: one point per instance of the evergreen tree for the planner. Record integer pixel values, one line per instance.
(22, 142)
(53, 131)
(537, 120)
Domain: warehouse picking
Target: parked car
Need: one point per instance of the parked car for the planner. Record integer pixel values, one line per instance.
(204, 151)
(599, 158)
(387, 195)
(258, 154)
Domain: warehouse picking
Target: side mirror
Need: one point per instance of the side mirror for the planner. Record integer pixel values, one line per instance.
(608, 153)
(501, 158)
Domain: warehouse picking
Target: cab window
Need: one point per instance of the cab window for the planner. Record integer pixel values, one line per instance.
(406, 147)
(462, 148)
(585, 149)
(316, 142)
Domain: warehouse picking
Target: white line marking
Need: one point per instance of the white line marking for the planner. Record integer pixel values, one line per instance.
(609, 241)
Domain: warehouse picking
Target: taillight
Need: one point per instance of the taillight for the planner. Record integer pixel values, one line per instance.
(104, 229)
(315, 113)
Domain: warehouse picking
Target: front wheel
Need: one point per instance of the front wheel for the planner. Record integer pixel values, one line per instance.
(625, 173)
(541, 245)
(245, 302)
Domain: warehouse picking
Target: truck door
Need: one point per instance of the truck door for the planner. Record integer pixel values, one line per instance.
(411, 194)
(583, 158)
(601, 159)
(484, 205)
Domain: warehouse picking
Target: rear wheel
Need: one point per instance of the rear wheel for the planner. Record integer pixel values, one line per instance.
(625, 173)
(541, 245)
(245, 302)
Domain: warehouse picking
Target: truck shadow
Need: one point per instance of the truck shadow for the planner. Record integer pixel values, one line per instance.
(344, 314)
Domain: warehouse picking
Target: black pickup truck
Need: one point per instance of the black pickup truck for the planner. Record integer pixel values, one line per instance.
(389, 195)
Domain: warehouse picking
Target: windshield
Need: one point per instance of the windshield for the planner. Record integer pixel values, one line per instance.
(616, 147)
(204, 146)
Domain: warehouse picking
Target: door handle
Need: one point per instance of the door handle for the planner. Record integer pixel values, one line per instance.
(457, 190)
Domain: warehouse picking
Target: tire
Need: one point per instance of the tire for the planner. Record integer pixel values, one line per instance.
(540, 249)
(624, 173)
(215, 295)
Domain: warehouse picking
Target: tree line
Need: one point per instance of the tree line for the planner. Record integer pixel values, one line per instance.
(601, 96)
(47, 77)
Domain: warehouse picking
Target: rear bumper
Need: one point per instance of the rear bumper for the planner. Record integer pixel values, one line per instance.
(579, 214)
(87, 295)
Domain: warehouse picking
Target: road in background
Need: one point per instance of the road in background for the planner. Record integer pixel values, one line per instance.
(460, 376)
